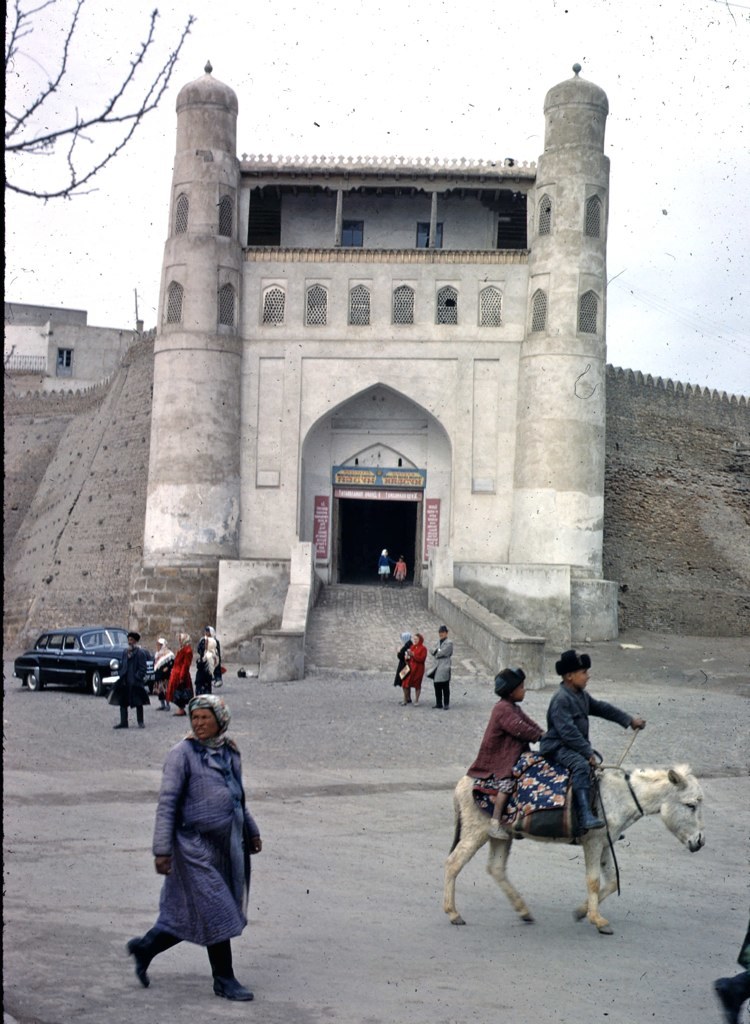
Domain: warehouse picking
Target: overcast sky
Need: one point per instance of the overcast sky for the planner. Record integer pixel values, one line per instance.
(425, 78)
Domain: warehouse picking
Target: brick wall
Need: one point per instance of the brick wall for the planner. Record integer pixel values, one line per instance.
(677, 506)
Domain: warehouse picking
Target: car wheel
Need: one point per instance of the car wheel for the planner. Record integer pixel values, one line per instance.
(97, 686)
(33, 681)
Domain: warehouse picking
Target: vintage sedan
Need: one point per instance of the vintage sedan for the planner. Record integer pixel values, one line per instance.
(86, 657)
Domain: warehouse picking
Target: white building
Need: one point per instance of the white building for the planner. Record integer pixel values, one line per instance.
(359, 355)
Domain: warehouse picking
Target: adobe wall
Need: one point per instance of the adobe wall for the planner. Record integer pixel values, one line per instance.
(677, 506)
(70, 557)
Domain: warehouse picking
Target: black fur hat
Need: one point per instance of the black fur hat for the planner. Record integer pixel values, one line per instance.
(572, 661)
(508, 680)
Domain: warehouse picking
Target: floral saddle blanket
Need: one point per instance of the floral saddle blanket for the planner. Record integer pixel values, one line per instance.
(541, 803)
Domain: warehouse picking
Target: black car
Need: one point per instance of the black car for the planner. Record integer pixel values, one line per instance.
(86, 657)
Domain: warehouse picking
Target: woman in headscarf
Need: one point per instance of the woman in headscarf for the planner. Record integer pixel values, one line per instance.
(163, 661)
(218, 668)
(180, 686)
(401, 655)
(203, 839)
(208, 659)
(415, 659)
(384, 566)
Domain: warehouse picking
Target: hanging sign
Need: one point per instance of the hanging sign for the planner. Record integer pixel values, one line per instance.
(320, 526)
(431, 525)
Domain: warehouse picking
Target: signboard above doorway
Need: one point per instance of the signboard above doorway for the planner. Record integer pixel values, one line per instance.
(379, 476)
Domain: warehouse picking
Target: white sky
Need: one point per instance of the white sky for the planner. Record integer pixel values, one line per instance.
(429, 78)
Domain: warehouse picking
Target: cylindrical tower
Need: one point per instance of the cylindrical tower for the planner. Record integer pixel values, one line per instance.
(193, 487)
(559, 470)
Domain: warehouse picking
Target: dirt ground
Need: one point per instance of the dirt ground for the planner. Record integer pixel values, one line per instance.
(353, 796)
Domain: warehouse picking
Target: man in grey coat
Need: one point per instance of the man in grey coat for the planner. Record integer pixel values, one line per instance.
(441, 674)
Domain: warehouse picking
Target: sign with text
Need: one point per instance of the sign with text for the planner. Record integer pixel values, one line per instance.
(431, 525)
(379, 495)
(322, 518)
(379, 476)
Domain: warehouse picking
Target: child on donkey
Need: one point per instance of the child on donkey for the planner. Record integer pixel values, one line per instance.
(508, 735)
(566, 741)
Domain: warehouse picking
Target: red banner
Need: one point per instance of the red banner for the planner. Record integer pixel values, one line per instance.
(320, 526)
(431, 525)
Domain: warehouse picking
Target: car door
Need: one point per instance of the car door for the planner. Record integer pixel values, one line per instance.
(49, 659)
(71, 669)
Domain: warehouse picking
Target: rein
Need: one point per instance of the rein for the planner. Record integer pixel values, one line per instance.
(641, 812)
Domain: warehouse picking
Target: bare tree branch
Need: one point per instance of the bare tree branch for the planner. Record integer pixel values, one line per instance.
(20, 138)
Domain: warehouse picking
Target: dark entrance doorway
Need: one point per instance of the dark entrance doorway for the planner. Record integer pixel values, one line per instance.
(366, 527)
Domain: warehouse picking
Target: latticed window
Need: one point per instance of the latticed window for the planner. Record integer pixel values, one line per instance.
(447, 306)
(539, 311)
(225, 217)
(403, 305)
(593, 227)
(490, 307)
(545, 215)
(359, 305)
(273, 306)
(226, 305)
(174, 303)
(588, 307)
(317, 306)
(181, 214)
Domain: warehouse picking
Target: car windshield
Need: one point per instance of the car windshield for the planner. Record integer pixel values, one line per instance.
(105, 638)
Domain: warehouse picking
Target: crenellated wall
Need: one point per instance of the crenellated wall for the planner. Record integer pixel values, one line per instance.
(677, 505)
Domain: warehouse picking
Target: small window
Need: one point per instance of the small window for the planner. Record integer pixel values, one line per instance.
(490, 307)
(353, 233)
(539, 311)
(64, 362)
(174, 303)
(317, 306)
(588, 308)
(274, 301)
(181, 214)
(423, 235)
(593, 227)
(41, 643)
(226, 306)
(447, 306)
(225, 217)
(55, 642)
(359, 305)
(403, 305)
(71, 644)
(545, 215)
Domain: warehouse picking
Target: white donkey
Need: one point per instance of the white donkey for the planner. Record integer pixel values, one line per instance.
(625, 797)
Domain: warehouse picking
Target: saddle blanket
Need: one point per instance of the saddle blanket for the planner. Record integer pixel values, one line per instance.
(540, 804)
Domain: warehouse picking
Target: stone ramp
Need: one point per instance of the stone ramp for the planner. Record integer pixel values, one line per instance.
(359, 628)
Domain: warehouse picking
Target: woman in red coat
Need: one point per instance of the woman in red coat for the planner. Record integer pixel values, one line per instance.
(508, 735)
(180, 685)
(415, 659)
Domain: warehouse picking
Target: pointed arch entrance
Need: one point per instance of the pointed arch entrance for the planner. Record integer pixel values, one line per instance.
(370, 469)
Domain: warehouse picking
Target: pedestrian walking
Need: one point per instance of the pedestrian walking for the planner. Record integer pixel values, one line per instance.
(203, 838)
(180, 687)
(441, 673)
(163, 662)
(130, 690)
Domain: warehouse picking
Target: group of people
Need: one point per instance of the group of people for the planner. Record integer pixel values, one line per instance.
(173, 682)
(384, 567)
(510, 732)
(412, 655)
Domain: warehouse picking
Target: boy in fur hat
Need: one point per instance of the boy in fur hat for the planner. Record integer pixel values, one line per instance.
(508, 735)
(566, 741)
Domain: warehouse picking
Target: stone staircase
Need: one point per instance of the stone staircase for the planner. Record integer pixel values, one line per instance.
(355, 627)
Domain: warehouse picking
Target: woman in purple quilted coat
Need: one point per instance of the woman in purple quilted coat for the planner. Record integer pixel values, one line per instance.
(203, 839)
(508, 735)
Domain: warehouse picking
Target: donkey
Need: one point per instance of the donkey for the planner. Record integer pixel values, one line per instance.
(624, 797)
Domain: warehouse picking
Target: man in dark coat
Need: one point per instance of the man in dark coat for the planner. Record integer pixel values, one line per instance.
(130, 690)
(566, 741)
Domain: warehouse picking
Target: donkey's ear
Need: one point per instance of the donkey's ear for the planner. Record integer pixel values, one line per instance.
(676, 779)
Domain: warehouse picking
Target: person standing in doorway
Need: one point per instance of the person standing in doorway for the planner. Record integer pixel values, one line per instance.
(130, 690)
(441, 674)
(384, 566)
(399, 573)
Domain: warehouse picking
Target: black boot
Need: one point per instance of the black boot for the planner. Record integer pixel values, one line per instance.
(123, 719)
(586, 818)
(136, 948)
(230, 988)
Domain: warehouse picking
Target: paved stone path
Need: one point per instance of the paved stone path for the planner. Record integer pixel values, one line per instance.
(359, 627)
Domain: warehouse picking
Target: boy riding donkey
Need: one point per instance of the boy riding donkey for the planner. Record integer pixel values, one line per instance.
(566, 741)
